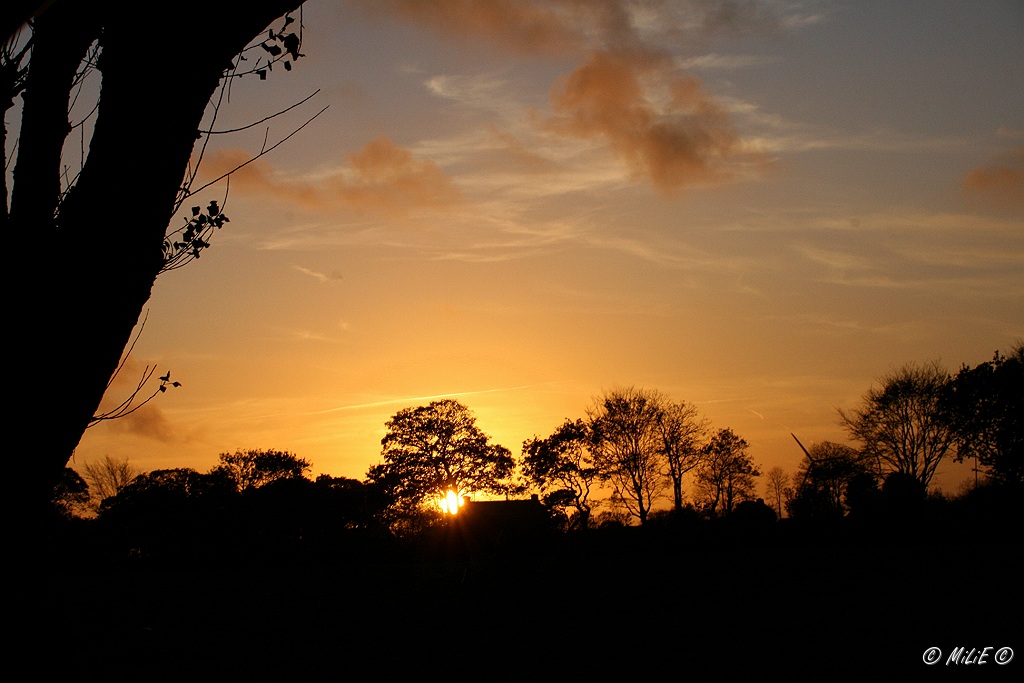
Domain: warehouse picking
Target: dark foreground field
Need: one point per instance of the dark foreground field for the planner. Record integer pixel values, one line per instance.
(623, 603)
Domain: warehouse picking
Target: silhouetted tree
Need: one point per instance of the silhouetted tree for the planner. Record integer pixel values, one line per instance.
(752, 515)
(683, 431)
(985, 408)
(16, 12)
(256, 468)
(107, 477)
(902, 496)
(170, 510)
(823, 480)
(97, 239)
(162, 487)
(436, 451)
(70, 495)
(726, 474)
(862, 494)
(628, 446)
(348, 503)
(901, 425)
(563, 466)
(778, 489)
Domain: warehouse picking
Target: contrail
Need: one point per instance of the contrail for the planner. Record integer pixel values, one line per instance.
(413, 399)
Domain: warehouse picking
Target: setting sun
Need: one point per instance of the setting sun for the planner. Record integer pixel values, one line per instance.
(451, 503)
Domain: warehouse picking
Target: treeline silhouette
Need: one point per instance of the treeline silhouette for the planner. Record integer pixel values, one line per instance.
(636, 444)
(170, 514)
(254, 570)
(297, 580)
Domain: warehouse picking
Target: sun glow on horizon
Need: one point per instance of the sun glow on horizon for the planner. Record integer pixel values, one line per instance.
(451, 503)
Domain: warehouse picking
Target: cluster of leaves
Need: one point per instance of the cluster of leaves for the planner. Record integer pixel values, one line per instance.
(193, 237)
(281, 46)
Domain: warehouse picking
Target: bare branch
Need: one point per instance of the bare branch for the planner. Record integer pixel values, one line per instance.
(129, 405)
(264, 119)
(262, 152)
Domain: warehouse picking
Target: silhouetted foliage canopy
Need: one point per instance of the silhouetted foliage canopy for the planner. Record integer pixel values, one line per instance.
(628, 446)
(255, 468)
(900, 424)
(985, 408)
(433, 449)
(563, 467)
(71, 494)
(824, 478)
(726, 474)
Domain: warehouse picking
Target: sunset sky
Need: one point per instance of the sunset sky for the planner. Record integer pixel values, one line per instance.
(756, 207)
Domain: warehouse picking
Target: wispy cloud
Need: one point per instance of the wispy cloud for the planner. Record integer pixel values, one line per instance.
(529, 27)
(415, 400)
(712, 61)
(149, 422)
(559, 27)
(486, 92)
(999, 184)
(629, 92)
(770, 135)
(833, 259)
(316, 275)
(960, 254)
(382, 177)
(830, 325)
(688, 141)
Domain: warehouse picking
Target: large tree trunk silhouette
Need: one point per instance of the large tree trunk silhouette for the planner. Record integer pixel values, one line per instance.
(88, 262)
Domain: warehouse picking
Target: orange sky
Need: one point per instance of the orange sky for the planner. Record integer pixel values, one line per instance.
(759, 208)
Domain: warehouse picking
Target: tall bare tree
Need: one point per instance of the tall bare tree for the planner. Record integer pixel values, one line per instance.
(777, 489)
(683, 432)
(900, 424)
(628, 446)
(108, 477)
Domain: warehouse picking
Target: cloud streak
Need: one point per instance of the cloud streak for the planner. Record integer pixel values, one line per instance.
(412, 400)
